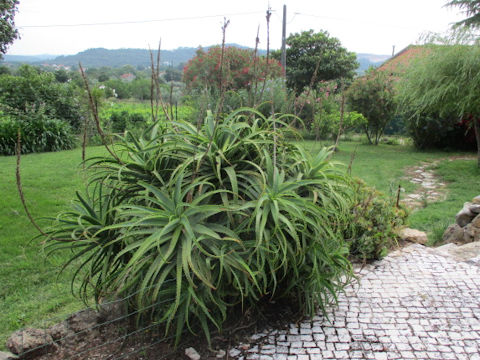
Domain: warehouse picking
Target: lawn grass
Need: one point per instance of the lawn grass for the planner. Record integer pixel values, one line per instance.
(383, 167)
(30, 290)
(463, 183)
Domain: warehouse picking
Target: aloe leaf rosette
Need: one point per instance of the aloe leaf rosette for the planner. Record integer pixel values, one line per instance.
(189, 223)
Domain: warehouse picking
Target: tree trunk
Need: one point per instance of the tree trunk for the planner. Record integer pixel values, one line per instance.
(477, 137)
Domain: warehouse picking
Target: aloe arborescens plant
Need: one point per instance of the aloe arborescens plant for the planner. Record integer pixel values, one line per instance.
(193, 221)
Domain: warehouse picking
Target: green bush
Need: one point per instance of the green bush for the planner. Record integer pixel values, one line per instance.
(190, 223)
(370, 229)
(32, 88)
(121, 121)
(38, 134)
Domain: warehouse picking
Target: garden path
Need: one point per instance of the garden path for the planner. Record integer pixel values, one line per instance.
(430, 188)
(416, 303)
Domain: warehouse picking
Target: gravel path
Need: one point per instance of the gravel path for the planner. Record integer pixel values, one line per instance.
(417, 303)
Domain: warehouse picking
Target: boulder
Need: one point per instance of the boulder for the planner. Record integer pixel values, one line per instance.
(111, 311)
(83, 320)
(474, 208)
(30, 343)
(58, 331)
(413, 235)
(453, 234)
(476, 221)
(476, 200)
(471, 233)
(464, 216)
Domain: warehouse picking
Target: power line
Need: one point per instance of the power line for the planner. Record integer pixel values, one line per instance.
(142, 21)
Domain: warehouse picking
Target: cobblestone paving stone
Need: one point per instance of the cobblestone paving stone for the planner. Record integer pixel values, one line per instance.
(414, 304)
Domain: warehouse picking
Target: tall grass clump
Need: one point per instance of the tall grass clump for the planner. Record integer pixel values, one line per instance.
(190, 223)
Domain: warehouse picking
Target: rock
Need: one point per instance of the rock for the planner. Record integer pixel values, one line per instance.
(476, 221)
(453, 234)
(30, 343)
(464, 216)
(192, 354)
(476, 200)
(234, 352)
(111, 311)
(474, 208)
(471, 233)
(7, 356)
(82, 320)
(58, 331)
(413, 235)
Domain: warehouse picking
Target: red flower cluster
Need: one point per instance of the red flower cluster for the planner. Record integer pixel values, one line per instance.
(240, 69)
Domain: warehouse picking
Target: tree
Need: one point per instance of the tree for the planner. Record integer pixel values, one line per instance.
(446, 83)
(8, 33)
(372, 95)
(308, 51)
(471, 9)
(241, 69)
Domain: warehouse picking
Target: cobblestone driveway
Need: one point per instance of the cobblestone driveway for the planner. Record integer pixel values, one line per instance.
(414, 304)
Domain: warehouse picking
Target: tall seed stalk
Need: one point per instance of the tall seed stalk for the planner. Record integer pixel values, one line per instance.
(94, 110)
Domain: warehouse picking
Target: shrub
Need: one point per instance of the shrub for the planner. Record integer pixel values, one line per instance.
(441, 132)
(35, 89)
(370, 230)
(38, 134)
(124, 120)
(372, 95)
(190, 223)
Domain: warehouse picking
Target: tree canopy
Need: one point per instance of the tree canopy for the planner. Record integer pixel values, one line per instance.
(308, 51)
(8, 32)
(240, 71)
(446, 82)
(471, 8)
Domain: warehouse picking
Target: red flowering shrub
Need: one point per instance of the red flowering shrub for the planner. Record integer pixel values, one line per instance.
(240, 69)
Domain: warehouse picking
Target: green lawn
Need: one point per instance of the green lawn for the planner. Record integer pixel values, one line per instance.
(30, 290)
(383, 166)
(29, 287)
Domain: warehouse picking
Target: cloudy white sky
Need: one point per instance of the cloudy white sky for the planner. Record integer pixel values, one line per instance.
(365, 26)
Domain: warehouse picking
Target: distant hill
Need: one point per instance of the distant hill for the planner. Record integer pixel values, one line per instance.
(141, 57)
(367, 60)
(28, 58)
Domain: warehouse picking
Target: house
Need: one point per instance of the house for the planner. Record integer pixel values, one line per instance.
(397, 64)
(127, 77)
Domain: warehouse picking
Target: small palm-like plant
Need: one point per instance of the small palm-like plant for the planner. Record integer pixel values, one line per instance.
(187, 223)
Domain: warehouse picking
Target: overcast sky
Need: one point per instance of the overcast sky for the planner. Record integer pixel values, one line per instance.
(368, 26)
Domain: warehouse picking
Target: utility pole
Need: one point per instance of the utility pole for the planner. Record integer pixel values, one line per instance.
(284, 42)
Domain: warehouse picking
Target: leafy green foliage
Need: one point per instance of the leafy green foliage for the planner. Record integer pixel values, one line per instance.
(370, 230)
(121, 121)
(192, 222)
(471, 9)
(39, 133)
(8, 33)
(442, 89)
(372, 95)
(35, 89)
(306, 50)
(240, 70)
(319, 110)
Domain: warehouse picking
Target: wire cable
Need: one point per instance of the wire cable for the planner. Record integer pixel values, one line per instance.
(140, 21)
